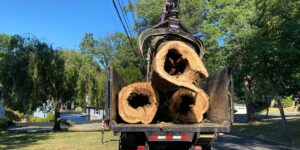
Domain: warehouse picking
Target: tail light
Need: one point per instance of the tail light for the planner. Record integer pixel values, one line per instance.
(198, 147)
(140, 147)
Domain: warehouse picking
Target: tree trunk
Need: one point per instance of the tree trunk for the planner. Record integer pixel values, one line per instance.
(57, 117)
(250, 112)
(177, 65)
(189, 106)
(286, 131)
(267, 113)
(138, 102)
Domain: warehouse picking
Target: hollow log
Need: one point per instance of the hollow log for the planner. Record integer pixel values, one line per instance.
(189, 106)
(177, 65)
(138, 102)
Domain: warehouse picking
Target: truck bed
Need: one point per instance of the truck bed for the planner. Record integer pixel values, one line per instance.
(115, 83)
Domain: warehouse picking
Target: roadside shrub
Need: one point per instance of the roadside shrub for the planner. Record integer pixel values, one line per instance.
(287, 101)
(36, 119)
(12, 115)
(78, 109)
(49, 117)
(3, 124)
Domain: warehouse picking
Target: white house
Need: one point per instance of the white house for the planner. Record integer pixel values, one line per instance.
(240, 109)
(42, 111)
(2, 112)
(95, 113)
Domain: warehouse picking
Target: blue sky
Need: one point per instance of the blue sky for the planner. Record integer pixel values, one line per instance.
(62, 23)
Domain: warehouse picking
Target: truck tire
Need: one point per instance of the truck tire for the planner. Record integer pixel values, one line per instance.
(130, 141)
(206, 147)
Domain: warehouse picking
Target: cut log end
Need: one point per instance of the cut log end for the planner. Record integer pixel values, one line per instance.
(174, 63)
(189, 106)
(138, 102)
(139, 98)
(177, 65)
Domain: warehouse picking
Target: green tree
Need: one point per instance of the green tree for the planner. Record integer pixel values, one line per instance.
(260, 41)
(32, 72)
(115, 50)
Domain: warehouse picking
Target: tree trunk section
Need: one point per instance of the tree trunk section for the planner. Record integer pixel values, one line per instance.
(177, 65)
(250, 112)
(189, 106)
(267, 113)
(286, 131)
(57, 117)
(138, 102)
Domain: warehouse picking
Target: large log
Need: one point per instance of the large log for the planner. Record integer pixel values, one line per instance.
(189, 106)
(177, 65)
(138, 102)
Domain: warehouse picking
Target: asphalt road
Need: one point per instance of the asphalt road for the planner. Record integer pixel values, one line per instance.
(239, 142)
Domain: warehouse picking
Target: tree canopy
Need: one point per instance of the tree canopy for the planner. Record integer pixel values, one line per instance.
(258, 39)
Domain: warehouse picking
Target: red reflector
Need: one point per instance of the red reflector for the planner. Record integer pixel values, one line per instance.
(169, 137)
(141, 147)
(185, 137)
(153, 137)
(197, 148)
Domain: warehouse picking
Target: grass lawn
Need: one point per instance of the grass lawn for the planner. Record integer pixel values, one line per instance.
(270, 129)
(275, 110)
(57, 140)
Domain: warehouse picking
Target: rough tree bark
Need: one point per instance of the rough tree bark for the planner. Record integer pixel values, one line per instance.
(286, 131)
(250, 112)
(189, 106)
(249, 85)
(177, 65)
(138, 102)
(57, 117)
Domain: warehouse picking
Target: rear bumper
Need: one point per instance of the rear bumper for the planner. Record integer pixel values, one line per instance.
(201, 128)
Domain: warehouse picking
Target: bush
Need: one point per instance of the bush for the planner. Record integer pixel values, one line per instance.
(49, 117)
(12, 115)
(3, 124)
(36, 119)
(78, 109)
(287, 101)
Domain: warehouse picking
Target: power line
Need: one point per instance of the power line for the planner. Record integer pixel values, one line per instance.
(129, 39)
(125, 17)
(132, 12)
(128, 5)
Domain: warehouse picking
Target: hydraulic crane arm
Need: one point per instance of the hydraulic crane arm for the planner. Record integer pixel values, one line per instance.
(171, 28)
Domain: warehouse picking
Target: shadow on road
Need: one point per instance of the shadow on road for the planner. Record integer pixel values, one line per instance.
(237, 142)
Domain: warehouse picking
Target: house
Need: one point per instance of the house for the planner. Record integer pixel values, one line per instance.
(42, 111)
(95, 113)
(2, 111)
(240, 109)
